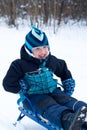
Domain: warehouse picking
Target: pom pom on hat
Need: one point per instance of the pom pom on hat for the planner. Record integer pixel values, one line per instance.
(35, 38)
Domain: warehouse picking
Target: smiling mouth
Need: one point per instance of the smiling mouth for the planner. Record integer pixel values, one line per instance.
(43, 57)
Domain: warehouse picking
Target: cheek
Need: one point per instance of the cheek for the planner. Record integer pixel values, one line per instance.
(47, 51)
(35, 54)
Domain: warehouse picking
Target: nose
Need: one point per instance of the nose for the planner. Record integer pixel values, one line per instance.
(42, 51)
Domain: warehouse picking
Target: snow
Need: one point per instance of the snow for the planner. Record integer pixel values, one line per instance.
(69, 43)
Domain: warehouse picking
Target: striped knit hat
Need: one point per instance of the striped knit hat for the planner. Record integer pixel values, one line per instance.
(35, 38)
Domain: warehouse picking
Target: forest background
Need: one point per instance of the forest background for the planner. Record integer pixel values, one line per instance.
(43, 12)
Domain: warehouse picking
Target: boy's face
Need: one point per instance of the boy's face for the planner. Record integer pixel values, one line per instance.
(41, 52)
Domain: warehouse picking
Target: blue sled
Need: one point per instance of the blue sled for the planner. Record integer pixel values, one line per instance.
(35, 117)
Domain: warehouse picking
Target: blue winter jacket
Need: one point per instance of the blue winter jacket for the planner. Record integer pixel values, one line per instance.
(26, 64)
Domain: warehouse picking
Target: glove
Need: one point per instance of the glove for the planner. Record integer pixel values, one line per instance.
(68, 86)
(24, 87)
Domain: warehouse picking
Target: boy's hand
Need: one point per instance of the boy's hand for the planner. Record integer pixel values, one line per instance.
(69, 86)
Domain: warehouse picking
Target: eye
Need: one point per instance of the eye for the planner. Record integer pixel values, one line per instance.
(45, 46)
(37, 48)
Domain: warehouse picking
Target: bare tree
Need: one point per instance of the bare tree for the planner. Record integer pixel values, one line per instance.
(51, 12)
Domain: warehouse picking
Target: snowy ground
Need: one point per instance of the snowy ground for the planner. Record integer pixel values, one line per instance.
(69, 43)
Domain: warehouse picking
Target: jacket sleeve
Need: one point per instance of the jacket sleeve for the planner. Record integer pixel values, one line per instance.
(68, 83)
(11, 80)
(62, 70)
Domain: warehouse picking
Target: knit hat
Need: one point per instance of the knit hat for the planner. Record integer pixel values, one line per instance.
(35, 38)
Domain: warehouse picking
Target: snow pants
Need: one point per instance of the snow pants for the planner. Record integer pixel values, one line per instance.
(51, 105)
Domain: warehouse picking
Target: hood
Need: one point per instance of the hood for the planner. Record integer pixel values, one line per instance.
(25, 56)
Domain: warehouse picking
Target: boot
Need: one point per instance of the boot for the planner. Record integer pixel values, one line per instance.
(74, 121)
(84, 126)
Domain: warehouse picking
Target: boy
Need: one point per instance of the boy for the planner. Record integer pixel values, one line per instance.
(33, 74)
